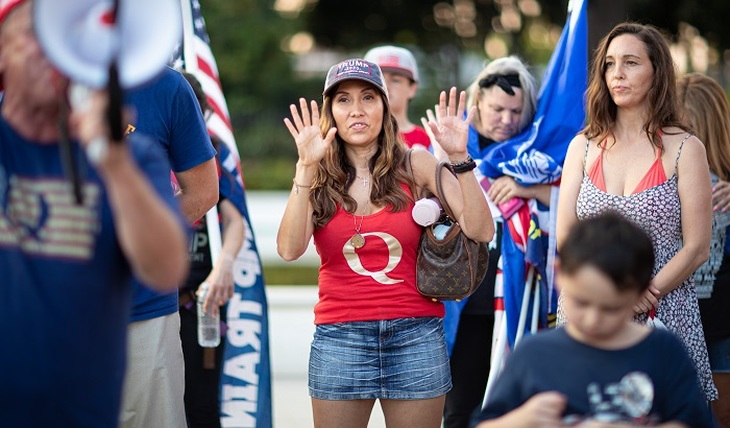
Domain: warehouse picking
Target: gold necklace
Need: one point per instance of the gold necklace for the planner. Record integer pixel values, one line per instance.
(357, 240)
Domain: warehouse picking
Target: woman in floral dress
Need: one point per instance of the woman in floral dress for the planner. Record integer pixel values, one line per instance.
(635, 157)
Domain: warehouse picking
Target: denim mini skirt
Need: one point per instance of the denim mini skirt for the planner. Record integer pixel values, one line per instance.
(399, 359)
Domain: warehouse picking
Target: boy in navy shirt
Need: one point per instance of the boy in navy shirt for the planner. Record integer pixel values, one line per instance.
(601, 368)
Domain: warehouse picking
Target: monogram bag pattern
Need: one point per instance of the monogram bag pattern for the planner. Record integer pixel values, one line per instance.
(449, 266)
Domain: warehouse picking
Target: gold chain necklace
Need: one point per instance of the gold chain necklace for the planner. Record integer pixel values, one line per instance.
(357, 240)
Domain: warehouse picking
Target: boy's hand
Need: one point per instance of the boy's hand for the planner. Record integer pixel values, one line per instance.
(438, 152)
(543, 410)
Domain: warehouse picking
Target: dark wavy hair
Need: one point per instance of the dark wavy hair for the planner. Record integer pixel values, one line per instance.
(335, 174)
(663, 104)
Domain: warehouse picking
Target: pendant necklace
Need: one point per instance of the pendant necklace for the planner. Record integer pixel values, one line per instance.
(365, 180)
(357, 240)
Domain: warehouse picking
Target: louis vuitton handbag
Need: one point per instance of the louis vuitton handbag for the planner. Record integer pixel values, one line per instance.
(449, 266)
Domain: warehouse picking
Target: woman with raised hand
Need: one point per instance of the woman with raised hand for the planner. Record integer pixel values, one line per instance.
(376, 337)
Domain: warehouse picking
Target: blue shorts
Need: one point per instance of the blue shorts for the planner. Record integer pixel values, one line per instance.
(400, 359)
(719, 351)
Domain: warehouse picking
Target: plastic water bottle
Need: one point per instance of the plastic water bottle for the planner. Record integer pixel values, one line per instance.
(426, 211)
(209, 326)
(439, 231)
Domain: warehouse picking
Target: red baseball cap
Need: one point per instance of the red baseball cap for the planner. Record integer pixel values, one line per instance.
(6, 6)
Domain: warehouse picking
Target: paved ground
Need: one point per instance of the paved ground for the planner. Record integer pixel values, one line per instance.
(265, 209)
(291, 325)
(292, 408)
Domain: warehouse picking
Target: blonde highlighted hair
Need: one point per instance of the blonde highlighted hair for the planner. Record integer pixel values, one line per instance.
(705, 107)
(504, 66)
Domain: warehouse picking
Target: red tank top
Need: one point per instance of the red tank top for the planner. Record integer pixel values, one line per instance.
(377, 281)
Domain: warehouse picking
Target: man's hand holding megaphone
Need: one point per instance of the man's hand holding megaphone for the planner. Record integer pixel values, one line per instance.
(89, 122)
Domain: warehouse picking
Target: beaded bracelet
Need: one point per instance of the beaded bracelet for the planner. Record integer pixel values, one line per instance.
(297, 186)
(465, 166)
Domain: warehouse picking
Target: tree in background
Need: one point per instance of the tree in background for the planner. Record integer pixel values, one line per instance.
(260, 48)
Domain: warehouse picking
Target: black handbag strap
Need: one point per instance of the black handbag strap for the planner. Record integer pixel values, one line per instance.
(439, 186)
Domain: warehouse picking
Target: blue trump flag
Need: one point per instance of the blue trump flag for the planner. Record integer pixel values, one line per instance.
(245, 390)
(536, 155)
(532, 157)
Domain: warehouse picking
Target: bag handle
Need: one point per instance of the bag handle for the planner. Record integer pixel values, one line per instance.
(409, 171)
(439, 186)
(440, 190)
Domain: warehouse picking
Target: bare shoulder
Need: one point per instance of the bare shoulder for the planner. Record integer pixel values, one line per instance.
(422, 159)
(672, 137)
(579, 141)
(676, 139)
(578, 148)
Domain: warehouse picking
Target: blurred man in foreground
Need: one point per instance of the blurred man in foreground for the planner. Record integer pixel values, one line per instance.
(66, 266)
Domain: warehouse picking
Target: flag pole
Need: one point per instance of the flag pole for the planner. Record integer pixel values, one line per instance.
(500, 348)
(535, 308)
(245, 384)
(187, 42)
(525, 304)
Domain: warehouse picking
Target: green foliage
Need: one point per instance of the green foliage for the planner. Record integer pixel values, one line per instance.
(268, 173)
(277, 274)
(245, 39)
(259, 81)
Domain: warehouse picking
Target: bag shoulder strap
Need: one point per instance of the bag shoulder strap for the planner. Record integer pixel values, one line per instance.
(440, 190)
(409, 171)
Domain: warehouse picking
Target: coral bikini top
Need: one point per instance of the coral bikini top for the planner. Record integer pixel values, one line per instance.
(653, 177)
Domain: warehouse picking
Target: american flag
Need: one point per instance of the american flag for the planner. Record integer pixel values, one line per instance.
(245, 390)
(197, 58)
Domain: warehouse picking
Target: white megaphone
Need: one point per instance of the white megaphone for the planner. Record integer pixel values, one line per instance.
(82, 38)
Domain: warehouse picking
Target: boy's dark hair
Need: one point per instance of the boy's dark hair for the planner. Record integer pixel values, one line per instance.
(613, 245)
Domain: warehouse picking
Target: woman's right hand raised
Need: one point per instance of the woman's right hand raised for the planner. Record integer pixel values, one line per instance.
(304, 127)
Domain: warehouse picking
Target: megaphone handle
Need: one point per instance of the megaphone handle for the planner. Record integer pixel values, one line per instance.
(114, 112)
(68, 159)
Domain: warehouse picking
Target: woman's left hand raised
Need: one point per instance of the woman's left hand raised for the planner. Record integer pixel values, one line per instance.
(452, 127)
